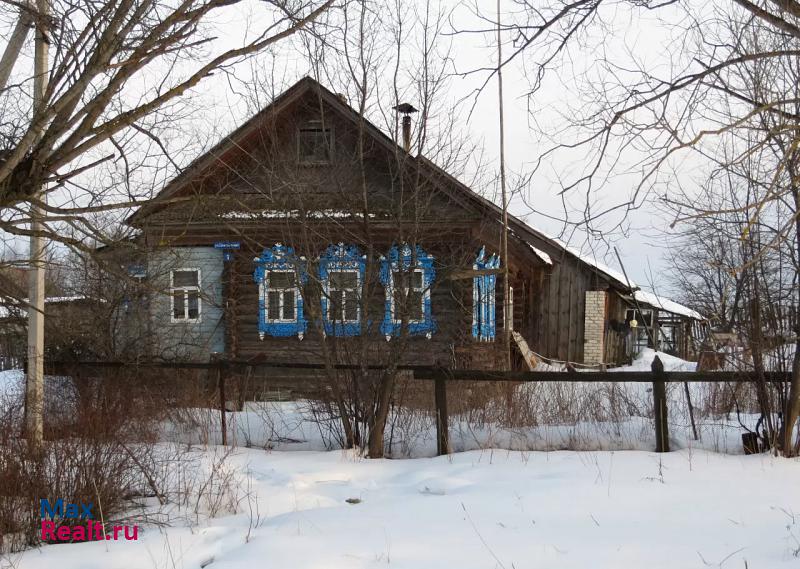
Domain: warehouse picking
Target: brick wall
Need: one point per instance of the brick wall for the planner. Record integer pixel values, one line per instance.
(594, 326)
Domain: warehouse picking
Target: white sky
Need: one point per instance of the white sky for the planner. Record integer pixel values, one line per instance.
(221, 105)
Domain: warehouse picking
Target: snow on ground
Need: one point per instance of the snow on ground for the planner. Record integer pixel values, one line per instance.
(645, 358)
(607, 416)
(11, 381)
(480, 509)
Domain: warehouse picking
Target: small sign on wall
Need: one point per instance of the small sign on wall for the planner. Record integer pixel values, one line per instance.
(228, 247)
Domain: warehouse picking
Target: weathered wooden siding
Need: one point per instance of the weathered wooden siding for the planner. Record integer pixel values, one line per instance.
(187, 340)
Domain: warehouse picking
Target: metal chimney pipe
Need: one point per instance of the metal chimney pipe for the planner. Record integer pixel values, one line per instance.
(407, 133)
(406, 109)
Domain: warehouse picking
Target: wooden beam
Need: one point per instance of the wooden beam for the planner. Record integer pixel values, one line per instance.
(463, 274)
(442, 418)
(433, 373)
(222, 372)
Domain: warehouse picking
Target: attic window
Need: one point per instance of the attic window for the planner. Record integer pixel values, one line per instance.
(314, 144)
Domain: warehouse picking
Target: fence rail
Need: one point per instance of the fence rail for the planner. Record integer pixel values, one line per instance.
(440, 376)
(434, 373)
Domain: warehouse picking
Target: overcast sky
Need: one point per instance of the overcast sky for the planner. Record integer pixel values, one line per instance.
(626, 32)
(221, 104)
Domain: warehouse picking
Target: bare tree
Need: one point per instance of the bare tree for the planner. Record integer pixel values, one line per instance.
(119, 72)
(641, 119)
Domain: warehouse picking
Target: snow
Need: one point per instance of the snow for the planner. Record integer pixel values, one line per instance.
(666, 304)
(558, 510)
(12, 383)
(591, 260)
(645, 358)
(542, 255)
(5, 303)
(294, 214)
(291, 502)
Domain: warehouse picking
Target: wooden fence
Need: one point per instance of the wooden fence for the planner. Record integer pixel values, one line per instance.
(440, 376)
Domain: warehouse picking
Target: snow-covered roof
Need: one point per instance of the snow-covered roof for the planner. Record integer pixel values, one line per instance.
(666, 304)
(7, 303)
(293, 214)
(541, 254)
(591, 259)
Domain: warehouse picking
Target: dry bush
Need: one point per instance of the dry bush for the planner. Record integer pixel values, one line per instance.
(100, 447)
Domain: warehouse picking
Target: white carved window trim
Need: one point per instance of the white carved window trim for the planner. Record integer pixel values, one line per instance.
(186, 290)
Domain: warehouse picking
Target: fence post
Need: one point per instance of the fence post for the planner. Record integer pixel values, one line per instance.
(222, 372)
(442, 434)
(660, 405)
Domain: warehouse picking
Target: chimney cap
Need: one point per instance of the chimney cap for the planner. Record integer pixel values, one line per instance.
(405, 108)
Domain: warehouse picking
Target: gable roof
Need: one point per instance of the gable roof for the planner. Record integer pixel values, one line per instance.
(542, 245)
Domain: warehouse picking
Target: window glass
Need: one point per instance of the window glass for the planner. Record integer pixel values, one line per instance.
(185, 294)
(408, 299)
(343, 290)
(314, 144)
(177, 305)
(281, 296)
(193, 307)
(184, 278)
(273, 303)
(288, 305)
(343, 280)
(280, 279)
(415, 299)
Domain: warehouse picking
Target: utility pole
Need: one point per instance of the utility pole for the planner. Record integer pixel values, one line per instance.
(507, 309)
(34, 410)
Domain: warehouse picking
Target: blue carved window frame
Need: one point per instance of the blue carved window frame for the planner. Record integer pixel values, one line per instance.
(280, 258)
(402, 259)
(484, 301)
(341, 258)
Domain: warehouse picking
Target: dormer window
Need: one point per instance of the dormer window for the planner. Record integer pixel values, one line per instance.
(315, 143)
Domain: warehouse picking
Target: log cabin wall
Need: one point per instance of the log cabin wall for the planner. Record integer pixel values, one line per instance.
(451, 298)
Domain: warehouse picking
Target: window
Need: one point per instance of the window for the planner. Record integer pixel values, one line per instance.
(409, 295)
(343, 294)
(185, 293)
(408, 275)
(281, 297)
(483, 297)
(136, 290)
(341, 272)
(315, 144)
(280, 275)
(639, 336)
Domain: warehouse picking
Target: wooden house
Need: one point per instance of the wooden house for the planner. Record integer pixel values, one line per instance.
(308, 234)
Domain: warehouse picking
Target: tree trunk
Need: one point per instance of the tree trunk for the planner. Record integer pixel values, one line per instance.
(378, 427)
(792, 411)
(792, 405)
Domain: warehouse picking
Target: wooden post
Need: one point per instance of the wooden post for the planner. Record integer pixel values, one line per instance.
(691, 409)
(660, 405)
(442, 434)
(222, 371)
